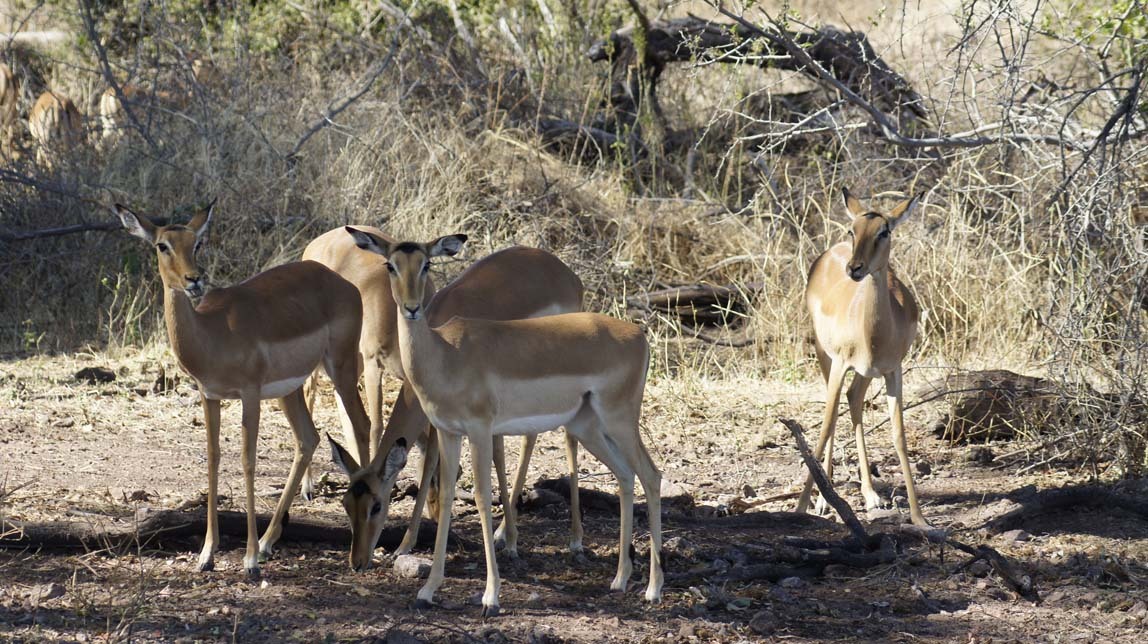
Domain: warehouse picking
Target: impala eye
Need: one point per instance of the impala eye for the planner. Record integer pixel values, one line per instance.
(163, 248)
(376, 508)
(391, 268)
(884, 234)
(426, 267)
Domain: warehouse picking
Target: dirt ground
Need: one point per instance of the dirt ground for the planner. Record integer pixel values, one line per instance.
(114, 451)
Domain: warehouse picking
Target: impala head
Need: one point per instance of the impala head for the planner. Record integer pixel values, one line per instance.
(368, 496)
(176, 246)
(871, 235)
(408, 264)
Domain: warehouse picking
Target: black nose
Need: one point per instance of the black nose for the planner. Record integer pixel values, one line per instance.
(856, 272)
(412, 309)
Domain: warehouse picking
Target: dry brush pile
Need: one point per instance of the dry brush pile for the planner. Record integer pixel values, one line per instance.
(692, 148)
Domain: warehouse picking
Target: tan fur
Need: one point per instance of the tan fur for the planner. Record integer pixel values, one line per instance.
(9, 110)
(513, 283)
(56, 126)
(255, 340)
(864, 320)
(478, 378)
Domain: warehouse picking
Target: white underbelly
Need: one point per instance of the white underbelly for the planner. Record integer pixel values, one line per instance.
(274, 389)
(532, 424)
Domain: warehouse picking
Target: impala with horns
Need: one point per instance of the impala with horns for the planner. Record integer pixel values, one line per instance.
(512, 284)
(864, 320)
(483, 378)
(256, 340)
(56, 126)
(9, 110)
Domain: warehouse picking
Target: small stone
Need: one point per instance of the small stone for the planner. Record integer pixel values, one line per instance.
(924, 469)
(671, 489)
(748, 492)
(781, 595)
(791, 582)
(412, 567)
(686, 630)
(763, 622)
(979, 568)
(95, 375)
(1012, 536)
(63, 423)
(979, 455)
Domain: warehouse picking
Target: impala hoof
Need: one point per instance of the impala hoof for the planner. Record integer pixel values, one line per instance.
(252, 573)
(206, 566)
(265, 555)
(490, 611)
(422, 604)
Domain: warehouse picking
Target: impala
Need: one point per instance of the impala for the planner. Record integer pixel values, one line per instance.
(515, 283)
(483, 378)
(864, 319)
(9, 110)
(256, 340)
(55, 124)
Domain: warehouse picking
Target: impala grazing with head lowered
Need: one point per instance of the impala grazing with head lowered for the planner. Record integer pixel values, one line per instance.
(864, 320)
(256, 340)
(512, 284)
(483, 378)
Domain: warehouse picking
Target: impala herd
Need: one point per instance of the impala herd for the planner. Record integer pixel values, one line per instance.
(56, 125)
(504, 349)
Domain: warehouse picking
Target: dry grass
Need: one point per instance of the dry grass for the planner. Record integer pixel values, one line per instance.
(438, 146)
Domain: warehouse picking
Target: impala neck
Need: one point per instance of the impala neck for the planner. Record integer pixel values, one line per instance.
(416, 338)
(871, 301)
(183, 325)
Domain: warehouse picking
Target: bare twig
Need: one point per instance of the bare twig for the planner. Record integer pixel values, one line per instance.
(823, 484)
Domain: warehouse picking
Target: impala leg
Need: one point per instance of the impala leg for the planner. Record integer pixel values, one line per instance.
(430, 462)
(856, 398)
(833, 396)
(211, 539)
(450, 448)
(310, 390)
(893, 392)
(508, 530)
(575, 504)
(373, 386)
(589, 427)
(250, 442)
(629, 444)
(306, 440)
(345, 376)
(481, 448)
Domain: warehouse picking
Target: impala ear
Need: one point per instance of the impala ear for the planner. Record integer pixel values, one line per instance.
(135, 224)
(449, 245)
(202, 221)
(367, 241)
(902, 211)
(394, 462)
(852, 206)
(342, 458)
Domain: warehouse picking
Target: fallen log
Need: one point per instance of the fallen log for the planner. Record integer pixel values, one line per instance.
(847, 55)
(166, 528)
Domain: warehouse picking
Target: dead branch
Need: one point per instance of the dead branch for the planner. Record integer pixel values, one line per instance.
(805, 62)
(180, 526)
(15, 236)
(696, 295)
(849, 56)
(824, 484)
